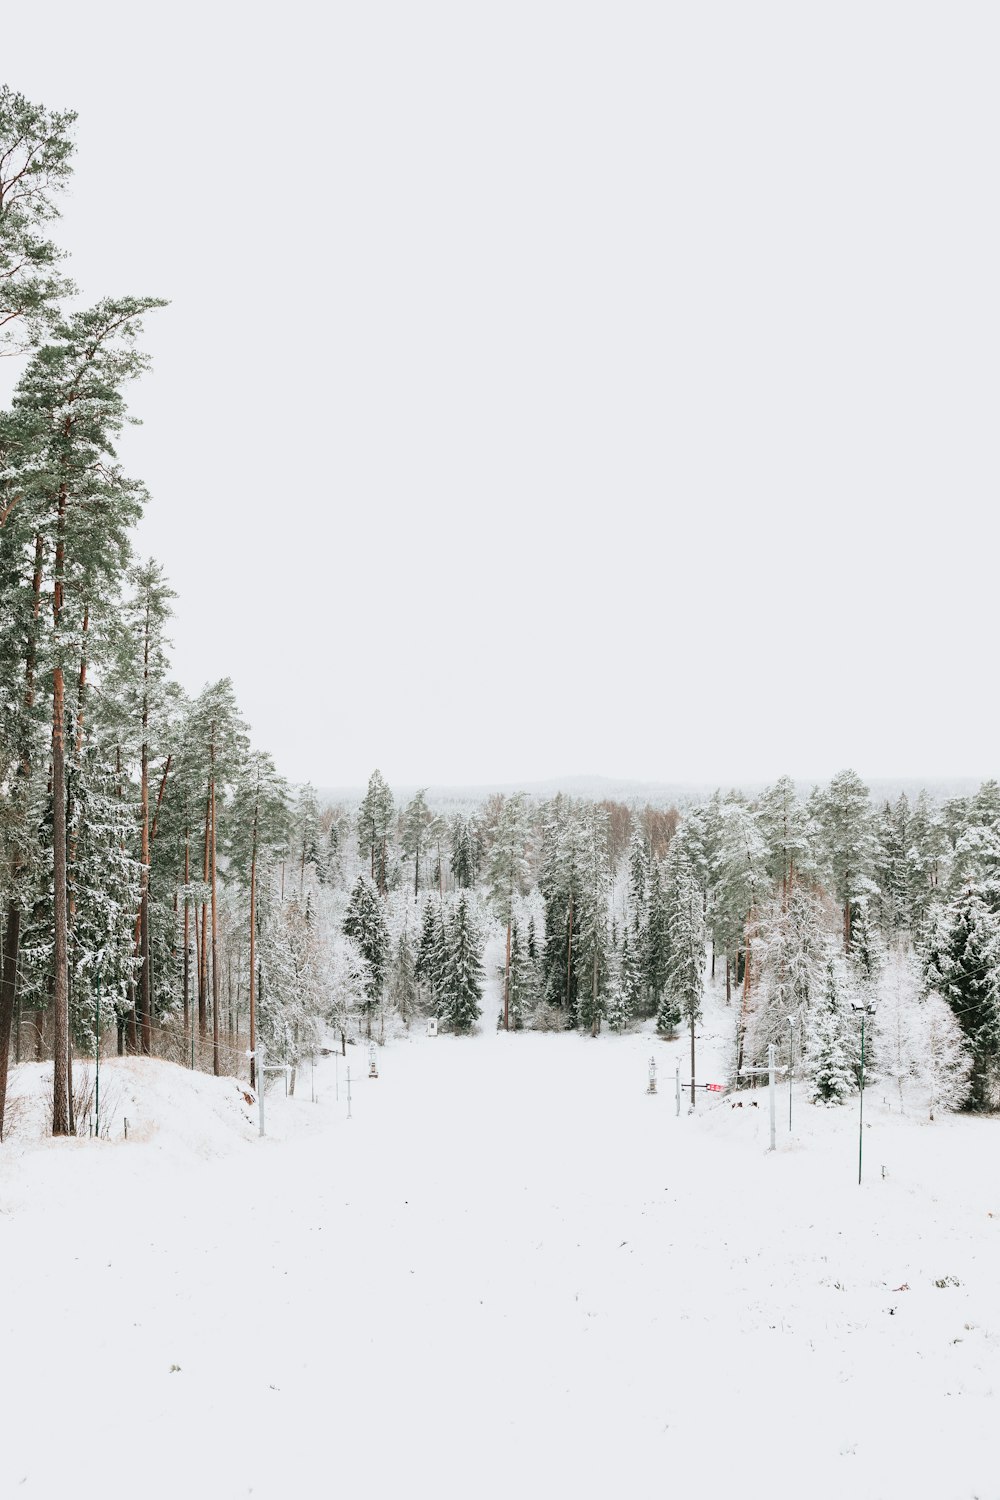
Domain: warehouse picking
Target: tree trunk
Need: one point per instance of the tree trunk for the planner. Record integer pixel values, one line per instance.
(145, 998)
(60, 993)
(12, 926)
(569, 952)
(203, 952)
(253, 934)
(215, 935)
(8, 990)
(595, 1022)
(506, 978)
(187, 932)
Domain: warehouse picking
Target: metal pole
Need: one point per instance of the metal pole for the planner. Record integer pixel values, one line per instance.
(770, 1086)
(791, 1026)
(259, 1070)
(677, 1081)
(348, 1091)
(336, 1076)
(312, 1078)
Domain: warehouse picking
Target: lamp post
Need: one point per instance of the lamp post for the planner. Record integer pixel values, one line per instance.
(866, 1009)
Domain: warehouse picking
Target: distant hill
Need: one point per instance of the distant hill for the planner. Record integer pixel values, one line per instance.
(656, 793)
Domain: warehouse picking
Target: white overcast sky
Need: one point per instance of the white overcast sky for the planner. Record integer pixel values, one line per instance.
(559, 388)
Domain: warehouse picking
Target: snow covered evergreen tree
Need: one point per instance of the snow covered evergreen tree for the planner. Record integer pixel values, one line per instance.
(686, 964)
(365, 923)
(829, 1049)
(414, 833)
(847, 838)
(463, 991)
(962, 963)
(791, 953)
(655, 936)
(594, 941)
(945, 1061)
(375, 817)
(508, 874)
(624, 984)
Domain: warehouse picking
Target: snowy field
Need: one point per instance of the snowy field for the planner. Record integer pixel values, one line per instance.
(511, 1272)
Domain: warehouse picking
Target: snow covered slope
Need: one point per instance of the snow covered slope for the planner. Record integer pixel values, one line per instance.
(511, 1272)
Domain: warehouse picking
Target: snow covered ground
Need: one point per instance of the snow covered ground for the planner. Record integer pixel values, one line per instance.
(511, 1272)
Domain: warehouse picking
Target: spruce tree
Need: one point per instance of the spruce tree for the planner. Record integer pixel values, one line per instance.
(508, 873)
(464, 982)
(686, 964)
(415, 825)
(847, 839)
(375, 817)
(594, 939)
(656, 940)
(962, 963)
(365, 923)
(828, 1049)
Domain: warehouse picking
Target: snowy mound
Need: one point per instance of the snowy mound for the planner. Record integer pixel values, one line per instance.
(141, 1100)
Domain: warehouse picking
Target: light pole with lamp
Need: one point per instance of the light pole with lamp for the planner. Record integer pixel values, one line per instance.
(865, 1009)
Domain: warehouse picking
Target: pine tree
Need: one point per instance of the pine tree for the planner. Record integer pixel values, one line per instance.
(594, 939)
(429, 971)
(828, 1051)
(463, 859)
(261, 828)
(791, 953)
(35, 166)
(925, 853)
(365, 923)
(464, 982)
(403, 975)
(655, 937)
(80, 505)
(624, 985)
(962, 963)
(944, 1061)
(416, 821)
(307, 839)
(784, 826)
(375, 817)
(847, 838)
(559, 883)
(891, 826)
(686, 966)
(523, 983)
(508, 873)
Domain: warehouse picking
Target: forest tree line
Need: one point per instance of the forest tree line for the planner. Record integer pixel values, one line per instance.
(162, 886)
